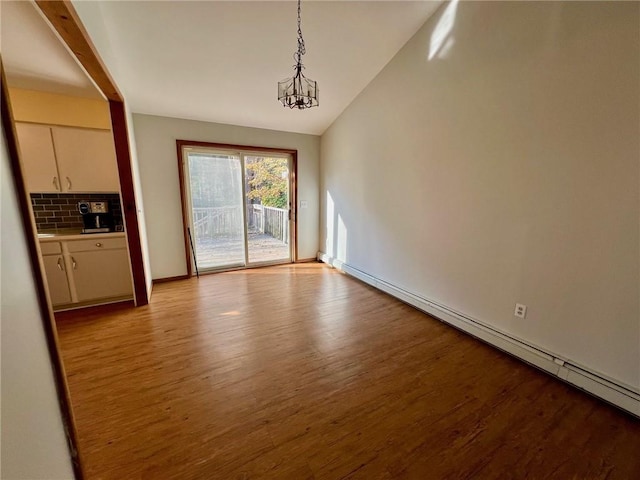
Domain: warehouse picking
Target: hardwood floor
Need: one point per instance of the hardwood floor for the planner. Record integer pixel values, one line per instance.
(300, 372)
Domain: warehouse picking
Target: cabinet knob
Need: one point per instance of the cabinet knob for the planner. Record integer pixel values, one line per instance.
(98, 244)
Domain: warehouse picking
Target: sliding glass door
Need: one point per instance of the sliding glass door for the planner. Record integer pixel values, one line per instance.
(216, 198)
(267, 193)
(238, 206)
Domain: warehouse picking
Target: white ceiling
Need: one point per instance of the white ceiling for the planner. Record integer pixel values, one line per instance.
(34, 57)
(221, 61)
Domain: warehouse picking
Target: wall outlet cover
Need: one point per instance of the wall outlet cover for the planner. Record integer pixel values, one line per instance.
(520, 311)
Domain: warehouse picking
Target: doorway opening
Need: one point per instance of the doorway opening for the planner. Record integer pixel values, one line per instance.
(238, 206)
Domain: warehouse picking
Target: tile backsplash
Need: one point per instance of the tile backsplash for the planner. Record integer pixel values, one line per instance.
(54, 211)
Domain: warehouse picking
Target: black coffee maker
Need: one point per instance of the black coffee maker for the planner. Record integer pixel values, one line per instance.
(96, 217)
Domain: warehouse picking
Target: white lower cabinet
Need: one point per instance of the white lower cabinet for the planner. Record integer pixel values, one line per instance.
(87, 271)
(101, 274)
(55, 271)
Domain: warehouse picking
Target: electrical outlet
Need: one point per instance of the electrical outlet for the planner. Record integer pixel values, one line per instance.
(521, 310)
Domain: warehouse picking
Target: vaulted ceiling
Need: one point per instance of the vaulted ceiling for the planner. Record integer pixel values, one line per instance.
(221, 61)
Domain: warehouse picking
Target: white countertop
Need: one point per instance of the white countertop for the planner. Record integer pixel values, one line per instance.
(74, 234)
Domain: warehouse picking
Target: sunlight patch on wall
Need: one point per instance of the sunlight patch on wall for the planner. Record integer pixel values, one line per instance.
(329, 222)
(441, 40)
(341, 254)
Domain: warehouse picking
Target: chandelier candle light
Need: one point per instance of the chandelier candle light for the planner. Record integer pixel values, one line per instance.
(298, 91)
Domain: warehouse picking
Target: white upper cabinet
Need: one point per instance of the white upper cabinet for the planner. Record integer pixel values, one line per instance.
(86, 160)
(38, 158)
(66, 159)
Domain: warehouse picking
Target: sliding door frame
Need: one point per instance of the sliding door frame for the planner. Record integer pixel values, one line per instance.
(244, 150)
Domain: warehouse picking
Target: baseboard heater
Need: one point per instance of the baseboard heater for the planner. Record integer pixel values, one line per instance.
(607, 389)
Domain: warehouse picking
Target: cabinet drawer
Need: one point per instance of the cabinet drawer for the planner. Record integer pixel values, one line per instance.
(96, 244)
(50, 248)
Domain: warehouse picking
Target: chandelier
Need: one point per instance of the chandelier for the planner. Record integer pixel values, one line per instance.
(298, 91)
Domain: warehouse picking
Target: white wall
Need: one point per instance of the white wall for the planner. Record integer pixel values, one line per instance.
(33, 443)
(497, 161)
(156, 140)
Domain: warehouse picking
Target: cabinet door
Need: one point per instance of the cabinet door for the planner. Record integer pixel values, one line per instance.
(56, 279)
(101, 274)
(38, 158)
(86, 160)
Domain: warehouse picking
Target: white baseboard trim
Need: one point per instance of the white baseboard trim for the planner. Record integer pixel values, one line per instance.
(623, 396)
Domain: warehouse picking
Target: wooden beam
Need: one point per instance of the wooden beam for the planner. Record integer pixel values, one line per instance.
(129, 206)
(65, 20)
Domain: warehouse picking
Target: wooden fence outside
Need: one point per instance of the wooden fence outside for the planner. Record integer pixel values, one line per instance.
(270, 220)
(212, 222)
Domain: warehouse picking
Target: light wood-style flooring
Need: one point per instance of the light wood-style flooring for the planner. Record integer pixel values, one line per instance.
(300, 372)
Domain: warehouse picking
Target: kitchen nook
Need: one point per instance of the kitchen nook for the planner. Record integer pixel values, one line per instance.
(71, 174)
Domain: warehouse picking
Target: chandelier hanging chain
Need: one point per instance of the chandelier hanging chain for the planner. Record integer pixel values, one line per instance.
(301, 47)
